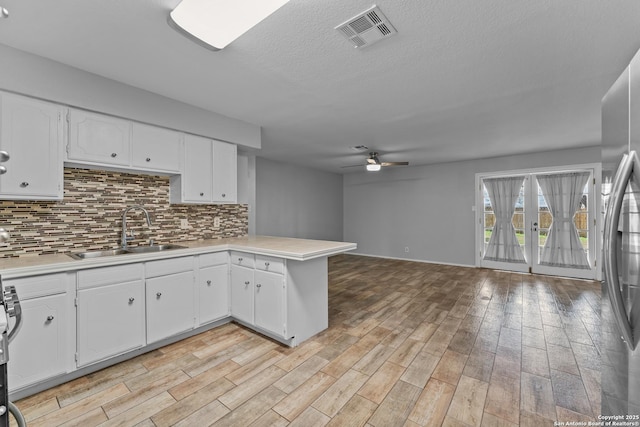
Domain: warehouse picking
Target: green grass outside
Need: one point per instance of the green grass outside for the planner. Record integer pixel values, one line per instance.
(541, 241)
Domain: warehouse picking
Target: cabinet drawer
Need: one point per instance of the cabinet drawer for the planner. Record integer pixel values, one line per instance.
(38, 286)
(216, 258)
(244, 259)
(109, 275)
(267, 263)
(168, 266)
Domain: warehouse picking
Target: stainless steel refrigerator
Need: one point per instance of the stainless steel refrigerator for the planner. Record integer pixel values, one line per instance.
(620, 375)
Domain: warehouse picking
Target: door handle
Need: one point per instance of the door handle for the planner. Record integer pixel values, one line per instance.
(610, 255)
(535, 226)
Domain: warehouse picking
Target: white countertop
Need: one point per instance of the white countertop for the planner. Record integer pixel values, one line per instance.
(282, 247)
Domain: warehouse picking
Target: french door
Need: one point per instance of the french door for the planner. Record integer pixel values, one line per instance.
(539, 221)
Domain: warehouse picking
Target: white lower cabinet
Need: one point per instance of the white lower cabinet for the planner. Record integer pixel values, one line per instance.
(213, 287)
(110, 321)
(38, 351)
(169, 305)
(110, 312)
(170, 297)
(258, 295)
(269, 302)
(43, 347)
(242, 293)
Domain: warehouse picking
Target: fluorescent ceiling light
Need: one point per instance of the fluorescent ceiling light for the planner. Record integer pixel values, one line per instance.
(373, 167)
(216, 23)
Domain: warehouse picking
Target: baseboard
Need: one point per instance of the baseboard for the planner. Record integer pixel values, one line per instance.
(413, 260)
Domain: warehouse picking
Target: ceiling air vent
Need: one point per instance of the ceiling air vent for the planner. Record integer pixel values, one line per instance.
(359, 148)
(366, 28)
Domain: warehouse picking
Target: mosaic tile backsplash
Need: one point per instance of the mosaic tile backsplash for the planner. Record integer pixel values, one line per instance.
(90, 216)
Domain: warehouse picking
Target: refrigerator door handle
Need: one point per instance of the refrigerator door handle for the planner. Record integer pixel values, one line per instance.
(612, 218)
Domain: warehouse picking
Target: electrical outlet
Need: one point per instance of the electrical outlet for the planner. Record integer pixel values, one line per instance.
(216, 222)
(184, 223)
(406, 249)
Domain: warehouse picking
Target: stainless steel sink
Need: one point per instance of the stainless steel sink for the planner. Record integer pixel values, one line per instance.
(131, 250)
(98, 254)
(152, 248)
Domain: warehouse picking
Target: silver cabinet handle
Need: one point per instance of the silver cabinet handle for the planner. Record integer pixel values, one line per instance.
(24, 184)
(131, 300)
(49, 318)
(148, 159)
(612, 218)
(266, 264)
(3, 170)
(114, 154)
(246, 283)
(239, 259)
(258, 285)
(4, 156)
(158, 294)
(209, 282)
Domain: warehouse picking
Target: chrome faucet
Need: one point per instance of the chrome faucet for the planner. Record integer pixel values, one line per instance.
(126, 238)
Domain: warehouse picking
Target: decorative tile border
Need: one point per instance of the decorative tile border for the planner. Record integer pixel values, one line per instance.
(90, 216)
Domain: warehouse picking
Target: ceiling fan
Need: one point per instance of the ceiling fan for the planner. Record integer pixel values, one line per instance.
(374, 164)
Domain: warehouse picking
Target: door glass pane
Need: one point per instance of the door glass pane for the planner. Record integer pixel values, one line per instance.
(544, 221)
(517, 219)
(563, 250)
(489, 218)
(581, 219)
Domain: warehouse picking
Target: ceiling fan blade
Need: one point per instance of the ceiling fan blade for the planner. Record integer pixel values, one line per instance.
(353, 166)
(371, 161)
(395, 163)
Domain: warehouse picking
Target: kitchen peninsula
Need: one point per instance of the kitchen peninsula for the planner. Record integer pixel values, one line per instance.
(83, 315)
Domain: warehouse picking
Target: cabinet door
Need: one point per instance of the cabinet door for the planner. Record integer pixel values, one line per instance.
(170, 305)
(110, 321)
(242, 293)
(32, 132)
(225, 172)
(213, 293)
(198, 157)
(97, 138)
(41, 348)
(269, 302)
(155, 148)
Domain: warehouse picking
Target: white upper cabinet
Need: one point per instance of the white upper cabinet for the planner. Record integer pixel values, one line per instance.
(155, 148)
(197, 174)
(32, 132)
(225, 172)
(209, 175)
(97, 138)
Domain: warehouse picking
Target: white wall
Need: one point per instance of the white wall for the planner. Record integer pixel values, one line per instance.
(247, 186)
(429, 208)
(43, 78)
(293, 201)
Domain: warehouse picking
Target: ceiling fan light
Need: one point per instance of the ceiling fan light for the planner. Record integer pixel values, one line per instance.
(216, 23)
(373, 167)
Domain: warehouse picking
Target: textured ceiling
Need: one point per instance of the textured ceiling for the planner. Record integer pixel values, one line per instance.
(462, 79)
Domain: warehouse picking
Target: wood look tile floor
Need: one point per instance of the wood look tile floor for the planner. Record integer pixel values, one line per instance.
(408, 344)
